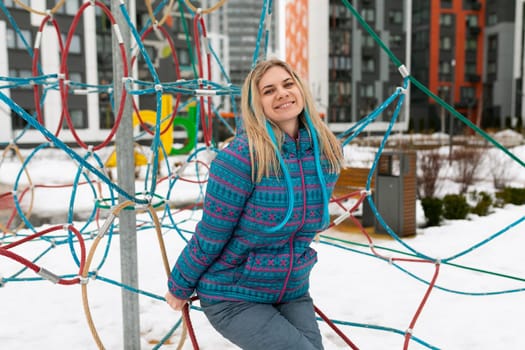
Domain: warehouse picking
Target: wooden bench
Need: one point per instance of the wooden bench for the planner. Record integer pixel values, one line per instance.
(352, 179)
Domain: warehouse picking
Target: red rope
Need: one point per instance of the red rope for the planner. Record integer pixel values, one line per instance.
(187, 320)
(63, 69)
(4, 250)
(36, 88)
(193, 338)
(408, 334)
(358, 224)
(334, 327)
(206, 120)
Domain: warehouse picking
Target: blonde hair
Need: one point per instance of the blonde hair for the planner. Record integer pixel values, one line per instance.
(262, 149)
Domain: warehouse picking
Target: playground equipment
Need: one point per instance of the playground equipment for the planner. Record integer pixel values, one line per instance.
(155, 203)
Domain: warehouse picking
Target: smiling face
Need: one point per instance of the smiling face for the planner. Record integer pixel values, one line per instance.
(281, 99)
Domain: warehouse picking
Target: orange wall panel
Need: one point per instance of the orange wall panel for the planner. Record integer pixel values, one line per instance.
(297, 36)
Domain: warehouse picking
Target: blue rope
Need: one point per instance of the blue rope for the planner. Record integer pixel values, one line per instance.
(476, 246)
(426, 282)
(319, 168)
(259, 33)
(289, 183)
(18, 31)
(59, 143)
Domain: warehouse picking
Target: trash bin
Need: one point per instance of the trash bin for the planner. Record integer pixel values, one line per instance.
(395, 192)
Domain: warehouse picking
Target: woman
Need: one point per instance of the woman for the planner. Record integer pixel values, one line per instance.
(267, 196)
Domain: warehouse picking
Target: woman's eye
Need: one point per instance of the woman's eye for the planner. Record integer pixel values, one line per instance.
(288, 84)
(267, 92)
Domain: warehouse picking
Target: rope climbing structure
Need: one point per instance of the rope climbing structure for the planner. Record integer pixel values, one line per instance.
(163, 207)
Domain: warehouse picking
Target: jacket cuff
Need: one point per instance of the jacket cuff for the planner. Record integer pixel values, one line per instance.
(178, 290)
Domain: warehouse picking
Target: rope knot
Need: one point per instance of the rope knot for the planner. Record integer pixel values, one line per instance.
(404, 71)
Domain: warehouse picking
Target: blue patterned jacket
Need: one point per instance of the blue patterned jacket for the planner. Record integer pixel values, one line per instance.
(231, 256)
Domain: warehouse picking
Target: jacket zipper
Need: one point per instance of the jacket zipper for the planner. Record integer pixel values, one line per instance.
(292, 237)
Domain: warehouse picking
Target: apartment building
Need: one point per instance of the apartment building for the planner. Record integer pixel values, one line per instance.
(89, 61)
(503, 59)
(361, 76)
(468, 52)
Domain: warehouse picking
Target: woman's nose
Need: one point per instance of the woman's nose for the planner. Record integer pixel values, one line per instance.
(282, 92)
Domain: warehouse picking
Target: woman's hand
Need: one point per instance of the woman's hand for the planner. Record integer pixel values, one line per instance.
(175, 303)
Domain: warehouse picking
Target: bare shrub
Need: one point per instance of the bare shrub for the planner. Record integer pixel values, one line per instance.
(500, 170)
(467, 161)
(430, 164)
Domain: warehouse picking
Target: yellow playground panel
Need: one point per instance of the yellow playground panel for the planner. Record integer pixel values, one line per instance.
(150, 117)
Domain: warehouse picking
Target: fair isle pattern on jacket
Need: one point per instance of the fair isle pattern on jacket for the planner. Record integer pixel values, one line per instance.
(232, 256)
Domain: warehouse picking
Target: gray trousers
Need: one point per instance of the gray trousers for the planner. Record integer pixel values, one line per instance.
(255, 326)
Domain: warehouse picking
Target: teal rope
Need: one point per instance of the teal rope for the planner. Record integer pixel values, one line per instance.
(424, 89)
(319, 168)
(289, 183)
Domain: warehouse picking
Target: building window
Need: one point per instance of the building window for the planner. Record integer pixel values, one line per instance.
(77, 118)
(493, 43)
(366, 90)
(340, 114)
(470, 68)
(75, 77)
(421, 40)
(395, 17)
(468, 94)
(340, 93)
(21, 73)
(17, 122)
(74, 46)
(444, 67)
(396, 41)
(492, 19)
(71, 7)
(368, 14)
(341, 63)
(103, 22)
(184, 57)
(8, 3)
(340, 43)
(446, 19)
(492, 68)
(445, 43)
(445, 70)
(471, 44)
(444, 92)
(106, 116)
(369, 65)
(368, 41)
(446, 4)
(472, 21)
(10, 39)
(15, 41)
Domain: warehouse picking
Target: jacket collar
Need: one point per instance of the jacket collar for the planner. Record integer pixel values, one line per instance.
(302, 145)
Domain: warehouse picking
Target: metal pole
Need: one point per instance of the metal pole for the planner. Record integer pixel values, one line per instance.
(451, 126)
(126, 180)
(408, 59)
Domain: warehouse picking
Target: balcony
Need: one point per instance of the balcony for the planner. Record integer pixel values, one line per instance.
(466, 103)
(474, 30)
(473, 78)
(471, 55)
(475, 5)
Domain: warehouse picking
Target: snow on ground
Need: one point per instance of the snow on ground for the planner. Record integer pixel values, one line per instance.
(468, 309)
